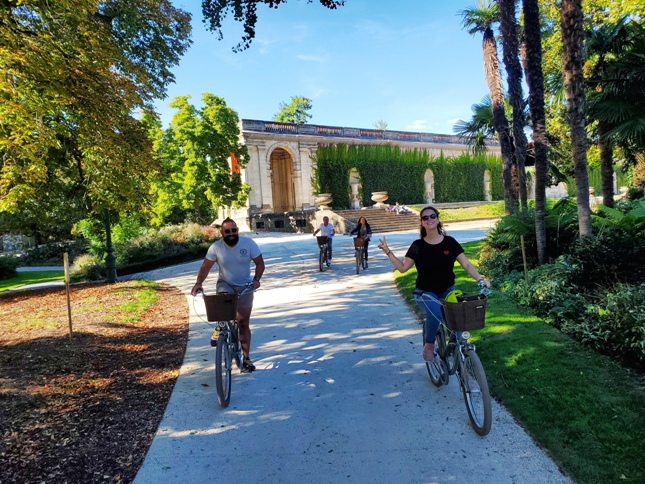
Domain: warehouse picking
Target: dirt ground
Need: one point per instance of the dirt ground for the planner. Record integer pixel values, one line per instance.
(86, 409)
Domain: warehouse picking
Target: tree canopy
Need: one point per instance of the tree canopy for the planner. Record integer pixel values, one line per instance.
(215, 11)
(196, 177)
(297, 111)
(75, 72)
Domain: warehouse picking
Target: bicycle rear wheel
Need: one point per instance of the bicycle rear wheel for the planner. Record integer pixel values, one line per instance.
(223, 370)
(476, 394)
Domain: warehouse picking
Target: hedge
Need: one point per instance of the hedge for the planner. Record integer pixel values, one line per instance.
(401, 174)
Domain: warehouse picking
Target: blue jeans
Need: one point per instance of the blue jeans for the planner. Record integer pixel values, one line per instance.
(431, 304)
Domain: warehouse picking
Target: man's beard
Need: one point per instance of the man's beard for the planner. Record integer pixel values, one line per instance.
(231, 240)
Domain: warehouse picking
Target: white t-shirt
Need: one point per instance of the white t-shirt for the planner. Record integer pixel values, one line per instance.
(234, 262)
(328, 230)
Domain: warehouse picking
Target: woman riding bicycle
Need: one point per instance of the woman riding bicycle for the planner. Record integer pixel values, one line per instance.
(434, 255)
(364, 231)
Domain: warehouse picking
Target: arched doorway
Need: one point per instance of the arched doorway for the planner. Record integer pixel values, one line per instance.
(282, 181)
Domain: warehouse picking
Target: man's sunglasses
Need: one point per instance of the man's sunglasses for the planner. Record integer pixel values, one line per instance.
(432, 216)
(230, 231)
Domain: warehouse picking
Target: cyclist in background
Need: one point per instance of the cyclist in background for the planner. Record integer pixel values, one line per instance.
(233, 255)
(434, 255)
(363, 230)
(326, 229)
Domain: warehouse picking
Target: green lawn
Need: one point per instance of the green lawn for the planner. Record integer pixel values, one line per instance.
(582, 407)
(30, 277)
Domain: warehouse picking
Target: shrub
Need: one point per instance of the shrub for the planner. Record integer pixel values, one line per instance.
(617, 326)
(87, 267)
(52, 254)
(8, 266)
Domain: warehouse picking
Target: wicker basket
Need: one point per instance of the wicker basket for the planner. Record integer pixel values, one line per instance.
(220, 307)
(466, 315)
(359, 242)
(322, 239)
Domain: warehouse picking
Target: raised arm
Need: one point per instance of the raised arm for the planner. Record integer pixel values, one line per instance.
(398, 265)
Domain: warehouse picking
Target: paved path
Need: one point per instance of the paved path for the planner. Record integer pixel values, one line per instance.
(340, 393)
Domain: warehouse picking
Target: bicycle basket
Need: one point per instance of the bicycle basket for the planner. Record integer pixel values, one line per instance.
(220, 307)
(467, 314)
(359, 242)
(322, 239)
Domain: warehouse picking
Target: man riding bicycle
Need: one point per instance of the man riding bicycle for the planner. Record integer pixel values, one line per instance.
(328, 231)
(233, 255)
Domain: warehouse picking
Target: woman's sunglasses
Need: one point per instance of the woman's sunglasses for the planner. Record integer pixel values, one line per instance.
(432, 216)
(230, 231)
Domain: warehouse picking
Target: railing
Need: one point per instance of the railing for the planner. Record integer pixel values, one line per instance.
(340, 132)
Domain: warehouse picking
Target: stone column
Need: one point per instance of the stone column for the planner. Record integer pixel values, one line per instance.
(307, 151)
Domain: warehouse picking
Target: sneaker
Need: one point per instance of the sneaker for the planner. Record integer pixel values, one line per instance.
(428, 352)
(214, 337)
(247, 365)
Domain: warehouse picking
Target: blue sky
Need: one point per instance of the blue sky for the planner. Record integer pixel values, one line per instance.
(407, 62)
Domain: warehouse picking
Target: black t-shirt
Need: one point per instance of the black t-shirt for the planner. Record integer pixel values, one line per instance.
(435, 263)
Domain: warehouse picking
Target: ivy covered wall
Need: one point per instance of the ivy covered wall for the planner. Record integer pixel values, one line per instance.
(401, 174)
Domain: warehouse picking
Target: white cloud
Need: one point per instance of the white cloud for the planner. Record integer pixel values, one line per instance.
(418, 125)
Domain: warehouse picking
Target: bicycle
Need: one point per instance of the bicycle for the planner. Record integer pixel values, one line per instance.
(359, 253)
(221, 308)
(455, 355)
(323, 260)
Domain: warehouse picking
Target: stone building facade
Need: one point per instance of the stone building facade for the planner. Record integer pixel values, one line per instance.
(280, 168)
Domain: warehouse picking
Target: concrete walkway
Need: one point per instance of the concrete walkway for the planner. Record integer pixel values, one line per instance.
(340, 393)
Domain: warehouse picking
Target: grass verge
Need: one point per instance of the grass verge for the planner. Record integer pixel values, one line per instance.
(30, 277)
(582, 407)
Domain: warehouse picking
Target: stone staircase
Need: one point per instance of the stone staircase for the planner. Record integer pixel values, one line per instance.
(381, 221)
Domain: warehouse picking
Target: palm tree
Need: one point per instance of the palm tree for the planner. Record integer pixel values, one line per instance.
(479, 128)
(617, 98)
(480, 19)
(571, 23)
(510, 44)
(535, 81)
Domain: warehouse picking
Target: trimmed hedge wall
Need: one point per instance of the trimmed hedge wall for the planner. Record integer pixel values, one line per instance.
(401, 174)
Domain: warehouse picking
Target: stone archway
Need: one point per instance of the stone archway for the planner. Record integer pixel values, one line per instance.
(355, 185)
(282, 181)
(428, 180)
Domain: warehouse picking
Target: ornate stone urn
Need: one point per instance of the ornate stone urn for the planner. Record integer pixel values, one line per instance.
(378, 198)
(322, 200)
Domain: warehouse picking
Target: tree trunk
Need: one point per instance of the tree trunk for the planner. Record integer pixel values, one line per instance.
(510, 44)
(606, 147)
(494, 81)
(571, 20)
(535, 81)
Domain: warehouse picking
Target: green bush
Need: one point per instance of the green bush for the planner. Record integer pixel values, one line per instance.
(52, 254)
(8, 266)
(616, 325)
(87, 267)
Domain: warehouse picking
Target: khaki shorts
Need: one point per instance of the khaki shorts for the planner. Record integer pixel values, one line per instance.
(244, 301)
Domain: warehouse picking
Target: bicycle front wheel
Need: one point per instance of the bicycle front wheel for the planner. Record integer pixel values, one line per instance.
(223, 370)
(321, 259)
(476, 394)
(358, 261)
(436, 371)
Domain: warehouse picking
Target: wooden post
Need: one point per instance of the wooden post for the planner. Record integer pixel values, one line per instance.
(69, 307)
(526, 271)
